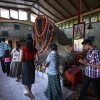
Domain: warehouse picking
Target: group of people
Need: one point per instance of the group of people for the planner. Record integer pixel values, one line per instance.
(23, 60)
(24, 57)
(10, 59)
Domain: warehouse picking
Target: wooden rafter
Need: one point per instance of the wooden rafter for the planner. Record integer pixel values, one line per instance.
(49, 11)
(14, 3)
(44, 13)
(15, 8)
(86, 5)
(30, 0)
(73, 5)
(56, 9)
(64, 8)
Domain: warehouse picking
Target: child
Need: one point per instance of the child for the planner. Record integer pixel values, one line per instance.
(7, 60)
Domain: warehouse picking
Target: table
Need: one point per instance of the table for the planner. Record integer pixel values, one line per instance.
(73, 75)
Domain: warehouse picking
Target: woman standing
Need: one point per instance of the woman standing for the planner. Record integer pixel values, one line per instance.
(53, 91)
(7, 60)
(15, 64)
(28, 54)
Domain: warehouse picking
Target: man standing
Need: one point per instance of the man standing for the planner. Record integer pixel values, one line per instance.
(91, 72)
(3, 46)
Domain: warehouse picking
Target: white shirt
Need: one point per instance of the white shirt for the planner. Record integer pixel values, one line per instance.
(53, 59)
(16, 55)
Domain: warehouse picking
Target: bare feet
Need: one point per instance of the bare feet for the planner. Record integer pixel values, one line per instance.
(32, 98)
(17, 80)
(27, 94)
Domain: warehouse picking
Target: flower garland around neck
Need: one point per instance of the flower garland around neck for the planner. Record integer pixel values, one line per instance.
(44, 18)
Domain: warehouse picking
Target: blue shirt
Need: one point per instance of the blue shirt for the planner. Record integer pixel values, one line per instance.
(4, 46)
(53, 67)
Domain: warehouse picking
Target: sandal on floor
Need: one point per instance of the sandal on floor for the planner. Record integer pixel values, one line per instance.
(33, 98)
(27, 95)
(17, 80)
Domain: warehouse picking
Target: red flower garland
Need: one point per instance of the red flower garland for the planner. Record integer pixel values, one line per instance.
(45, 27)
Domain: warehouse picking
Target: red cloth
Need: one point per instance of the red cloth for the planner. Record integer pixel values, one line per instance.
(28, 55)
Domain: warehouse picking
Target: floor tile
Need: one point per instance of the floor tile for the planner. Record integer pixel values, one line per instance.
(7, 97)
(12, 90)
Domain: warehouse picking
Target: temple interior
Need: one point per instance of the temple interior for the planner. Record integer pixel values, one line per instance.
(66, 23)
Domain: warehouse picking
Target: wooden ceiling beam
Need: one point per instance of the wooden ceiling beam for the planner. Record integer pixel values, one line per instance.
(30, 0)
(49, 11)
(14, 3)
(73, 5)
(14, 8)
(86, 5)
(64, 8)
(44, 14)
(34, 12)
(55, 9)
(38, 14)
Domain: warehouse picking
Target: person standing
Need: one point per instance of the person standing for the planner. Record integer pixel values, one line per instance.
(53, 91)
(28, 54)
(3, 46)
(7, 60)
(16, 66)
(91, 72)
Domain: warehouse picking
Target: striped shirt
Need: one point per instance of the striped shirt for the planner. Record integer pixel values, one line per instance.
(93, 57)
(4, 46)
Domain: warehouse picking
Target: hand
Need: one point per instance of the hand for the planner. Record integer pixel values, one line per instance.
(43, 63)
(83, 61)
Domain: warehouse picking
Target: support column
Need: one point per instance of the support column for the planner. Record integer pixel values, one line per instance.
(79, 10)
(28, 15)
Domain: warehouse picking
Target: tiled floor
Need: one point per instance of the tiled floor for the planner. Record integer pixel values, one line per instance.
(12, 90)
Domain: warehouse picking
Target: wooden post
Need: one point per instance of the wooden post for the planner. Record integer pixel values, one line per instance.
(79, 10)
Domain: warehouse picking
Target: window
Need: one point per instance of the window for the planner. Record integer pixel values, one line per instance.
(33, 17)
(22, 15)
(75, 21)
(66, 25)
(63, 25)
(86, 19)
(14, 14)
(4, 13)
(71, 23)
(94, 17)
(98, 16)
(59, 26)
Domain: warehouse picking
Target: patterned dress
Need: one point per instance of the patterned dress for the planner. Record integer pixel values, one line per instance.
(15, 64)
(53, 91)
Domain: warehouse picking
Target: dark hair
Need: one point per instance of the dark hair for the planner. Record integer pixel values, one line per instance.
(6, 54)
(53, 47)
(86, 41)
(17, 47)
(29, 44)
(3, 39)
